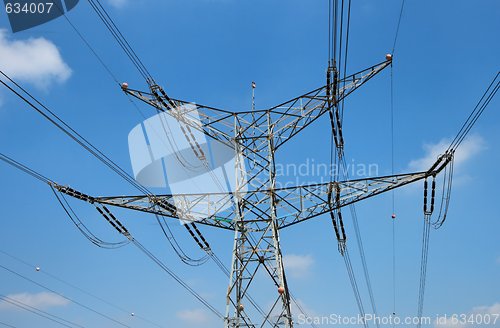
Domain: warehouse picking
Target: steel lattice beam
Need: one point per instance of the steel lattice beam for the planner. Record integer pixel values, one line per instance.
(258, 213)
(286, 119)
(295, 204)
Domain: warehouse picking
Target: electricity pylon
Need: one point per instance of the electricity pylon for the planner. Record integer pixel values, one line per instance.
(259, 213)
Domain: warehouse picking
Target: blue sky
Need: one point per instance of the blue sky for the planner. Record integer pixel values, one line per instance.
(209, 51)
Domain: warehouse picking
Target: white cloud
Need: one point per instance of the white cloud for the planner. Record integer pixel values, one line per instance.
(117, 3)
(469, 148)
(298, 307)
(298, 266)
(478, 313)
(194, 317)
(35, 60)
(493, 309)
(42, 300)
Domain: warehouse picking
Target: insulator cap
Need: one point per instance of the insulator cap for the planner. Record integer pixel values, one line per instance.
(393, 215)
(388, 57)
(281, 290)
(124, 86)
(37, 269)
(241, 307)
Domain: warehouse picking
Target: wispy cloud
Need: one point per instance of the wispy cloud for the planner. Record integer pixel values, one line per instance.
(196, 317)
(42, 300)
(298, 266)
(299, 308)
(118, 3)
(34, 60)
(476, 314)
(470, 148)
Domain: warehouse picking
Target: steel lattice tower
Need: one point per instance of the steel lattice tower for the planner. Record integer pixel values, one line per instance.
(262, 210)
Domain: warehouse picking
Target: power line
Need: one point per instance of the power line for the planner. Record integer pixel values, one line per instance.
(7, 325)
(38, 312)
(122, 230)
(123, 42)
(336, 148)
(82, 227)
(345, 55)
(423, 268)
(397, 29)
(177, 278)
(24, 168)
(112, 27)
(478, 110)
(354, 285)
(89, 46)
(294, 299)
(65, 297)
(118, 36)
(359, 240)
(181, 254)
(43, 271)
(393, 197)
(393, 193)
(70, 132)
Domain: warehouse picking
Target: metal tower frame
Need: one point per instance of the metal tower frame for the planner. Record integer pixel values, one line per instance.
(262, 210)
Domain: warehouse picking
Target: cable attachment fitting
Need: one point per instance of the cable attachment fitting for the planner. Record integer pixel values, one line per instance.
(336, 216)
(73, 193)
(428, 210)
(161, 96)
(113, 221)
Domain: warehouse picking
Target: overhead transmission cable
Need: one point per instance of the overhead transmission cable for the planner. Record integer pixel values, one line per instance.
(397, 28)
(478, 110)
(137, 62)
(359, 241)
(293, 298)
(24, 169)
(165, 125)
(486, 98)
(425, 246)
(99, 313)
(167, 232)
(345, 57)
(336, 152)
(122, 41)
(393, 201)
(68, 130)
(393, 192)
(122, 230)
(52, 317)
(126, 47)
(82, 227)
(56, 278)
(129, 51)
(53, 118)
(89, 46)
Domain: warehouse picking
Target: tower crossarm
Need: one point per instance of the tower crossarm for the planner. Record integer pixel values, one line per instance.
(291, 117)
(216, 123)
(293, 204)
(286, 119)
(216, 207)
(306, 202)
